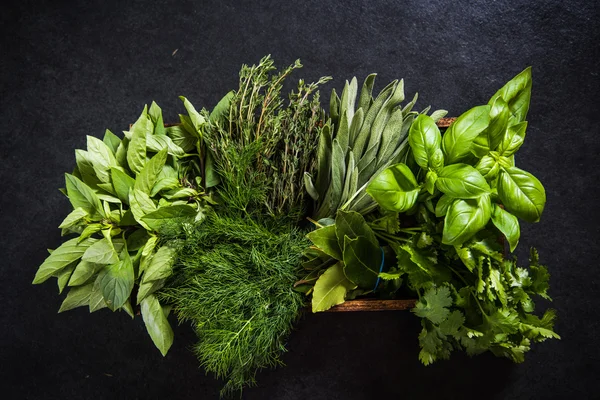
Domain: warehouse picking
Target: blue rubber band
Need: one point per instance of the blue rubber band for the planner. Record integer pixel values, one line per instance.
(380, 269)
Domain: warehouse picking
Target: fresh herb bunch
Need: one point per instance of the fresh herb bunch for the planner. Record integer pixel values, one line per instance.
(122, 192)
(436, 213)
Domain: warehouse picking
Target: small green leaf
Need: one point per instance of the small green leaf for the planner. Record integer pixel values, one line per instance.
(158, 143)
(362, 260)
(83, 272)
(147, 288)
(96, 299)
(465, 218)
(141, 204)
(147, 254)
(221, 110)
(513, 139)
(517, 94)
(434, 305)
(157, 324)
(82, 196)
(521, 193)
(508, 224)
(444, 202)
(112, 141)
(76, 216)
(145, 180)
(197, 120)
(89, 231)
(77, 297)
(117, 283)
(326, 240)
(156, 219)
(424, 138)
(430, 180)
(101, 252)
(182, 138)
(331, 288)
(102, 158)
(155, 114)
(161, 265)
(462, 181)
(136, 151)
(64, 275)
(395, 188)
(458, 139)
(64, 255)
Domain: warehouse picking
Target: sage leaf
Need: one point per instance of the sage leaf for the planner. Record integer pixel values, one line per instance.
(101, 252)
(462, 181)
(136, 150)
(508, 224)
(161, 265)
(395, 188)
(75, 217)
(521, 193)
(117, 283)
(82, 196)
(424, 138)
(157, 324)
(310, 187)
(331, 288)
(145, 180)
(77, 297)
(326, 240)
(212, 177)
(458, 139)
(464, 218)
(64, 255)
(362, 260)
(517, 94)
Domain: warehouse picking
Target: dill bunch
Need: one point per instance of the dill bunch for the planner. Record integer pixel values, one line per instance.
(233, 281)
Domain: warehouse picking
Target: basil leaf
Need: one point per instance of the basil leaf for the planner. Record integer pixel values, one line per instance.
(141, 204)
(155, 114)
(488, 167)
(352, 224)
(111, 140)
(63, 276)
(221, 110)
(362, 260)
(161, 265)
(101, 252)
(96, 299)
(461, 181)
(89, 231)
(117, 283)
(465, 218)
(330, 289)
(424, 138)
(395, 188)
(157, 218)
(196, 119)
(136, 151)
(326, 240)
(83, 272)
(444, 202)
(102, 158)
(145, 180)
(147, 288)
(516, 93)
(77, 297)
(182, 138)
(76, 216)
(64, 255)
(157, 324)
(489, 139)
(513, 139)
(158, 143)
(82, 196)
(85, 166)
(430, 180)
(508, 224)
(458, 139)
(212, 177)
(147, 254)
(521, 193)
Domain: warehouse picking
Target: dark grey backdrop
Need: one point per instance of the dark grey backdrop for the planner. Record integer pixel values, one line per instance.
(69, 69)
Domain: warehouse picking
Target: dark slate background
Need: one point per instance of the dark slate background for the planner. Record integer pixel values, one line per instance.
(73, 69)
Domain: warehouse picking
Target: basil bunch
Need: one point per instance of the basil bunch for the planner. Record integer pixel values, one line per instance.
(123, 191)
(469, 172)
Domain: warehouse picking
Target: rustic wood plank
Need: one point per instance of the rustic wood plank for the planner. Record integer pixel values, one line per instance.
(445, 122)
(374, 305)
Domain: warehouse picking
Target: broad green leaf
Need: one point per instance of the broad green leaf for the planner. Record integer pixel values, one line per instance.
(112, 141)
(331, 288)
(117, 283)
(221, 110)
(145, 180)
(182, 137)
(147, 253)
(430, 180)
(102, 158)
(147, 288)
(96, 299)
(122, 183)
(89, 231)
(63, 276)
(76, 216)
(159, 143)
(465, 218)
(137, 239)
(136, 150)
(197, 120)
(180, 193)
(83, 272)
(101, 252)
(461, 181)
(508, 224)
(141, 204)
(156, 219)
(121, 154)
(85, 166)
(513, 139)
(155, 114)
(326, 240)
(424, 138)
(444, 202)
(212, 177)
(362, 261)
(458, 139)
(82, 196)
(488, 167)
(522, 194)
(77, 297)
(490, 138)
(161, 265)
(64, 255)
(516, 93)
(395, 188)
(352, 224)
(157, 324)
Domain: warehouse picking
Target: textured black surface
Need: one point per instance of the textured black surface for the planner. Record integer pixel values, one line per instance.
(69, 69)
